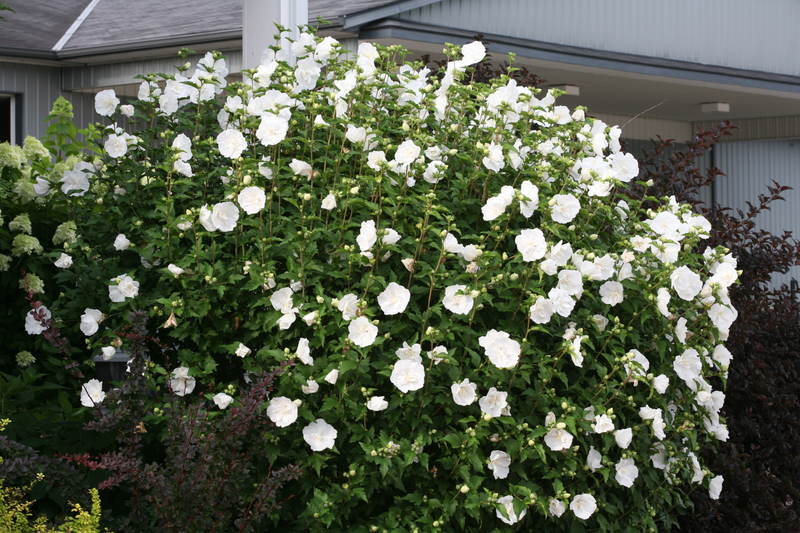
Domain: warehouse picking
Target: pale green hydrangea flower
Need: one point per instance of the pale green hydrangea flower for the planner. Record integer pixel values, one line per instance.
(21, 223)
(34, 283)
(11, 156)
(25, 359)
(99, 188)
(5, 261)
(25, 244)
(25, 190)
(65, 233)
(34, 150)
(62, 108)
(58, 171)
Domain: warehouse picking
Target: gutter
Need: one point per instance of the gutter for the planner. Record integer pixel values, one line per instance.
(414, 31)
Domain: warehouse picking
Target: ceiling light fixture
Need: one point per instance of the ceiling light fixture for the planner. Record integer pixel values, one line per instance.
(570, 90)
(715, 107)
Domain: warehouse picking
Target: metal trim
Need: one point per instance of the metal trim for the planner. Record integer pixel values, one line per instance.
(414, 31)
(356, 20)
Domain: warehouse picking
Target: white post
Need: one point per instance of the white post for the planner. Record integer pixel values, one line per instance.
(258, 26)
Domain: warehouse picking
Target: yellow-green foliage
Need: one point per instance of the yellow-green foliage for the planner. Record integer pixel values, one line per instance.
(16, 516)
(84, 521)
(15, 512)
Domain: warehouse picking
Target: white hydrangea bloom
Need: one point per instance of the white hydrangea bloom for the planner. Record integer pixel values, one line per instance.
(715, 487)
(583, 505)
(90, 321)
(362, 332)
(282, 411)
(394, 299)
(408, 375)
(92, 393)
(499, 463)
(594, 460)
(464, 393)
(224, 216)
(556, 508)
(558, 439)
(377, 403)
(181, 382)
(494, 402)
(460, 304)
(121, 243)
(531, 244)
(623, 437)
(310, 387)
(603, 424)
(508, 503)
(231, 143)
(348, 306)
(626, 472)
(252, 200)
(320, 435)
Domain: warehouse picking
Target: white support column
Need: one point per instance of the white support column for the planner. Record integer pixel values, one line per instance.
(258, 26)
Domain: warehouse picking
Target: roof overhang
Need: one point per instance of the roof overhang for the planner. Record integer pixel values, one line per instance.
(616, 82)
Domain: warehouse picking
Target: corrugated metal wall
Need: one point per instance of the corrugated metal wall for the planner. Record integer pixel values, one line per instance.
(40, 86)
(759, 128)
(114, 74)
(752, 165)
(741, 34)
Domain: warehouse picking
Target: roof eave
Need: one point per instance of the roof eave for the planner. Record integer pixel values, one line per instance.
(141, 46)
(32, 53)
(414, 31)
(354, 21)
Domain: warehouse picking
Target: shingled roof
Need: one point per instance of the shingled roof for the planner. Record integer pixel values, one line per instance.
(57, 29)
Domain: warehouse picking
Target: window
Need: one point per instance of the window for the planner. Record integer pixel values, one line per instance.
(7, 119)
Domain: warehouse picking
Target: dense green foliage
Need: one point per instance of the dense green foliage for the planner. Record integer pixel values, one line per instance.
(456, 308)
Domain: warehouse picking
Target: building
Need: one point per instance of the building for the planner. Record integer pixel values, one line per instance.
(672, 65)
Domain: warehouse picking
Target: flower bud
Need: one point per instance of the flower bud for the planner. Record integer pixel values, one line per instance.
(561, 425)
(298, 403)
(247, 179)
(464, 489)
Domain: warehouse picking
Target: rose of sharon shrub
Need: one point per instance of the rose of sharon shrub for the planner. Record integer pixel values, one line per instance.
(501, 339)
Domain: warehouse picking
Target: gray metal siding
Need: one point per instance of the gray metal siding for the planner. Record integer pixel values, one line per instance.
(113, 74)
(39, 87)
(739, 34)
(787, 127)
(752, 165)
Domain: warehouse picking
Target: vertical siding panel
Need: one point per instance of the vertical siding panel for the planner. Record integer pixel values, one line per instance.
(40, 86)
(750, 167)
(731, 33)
